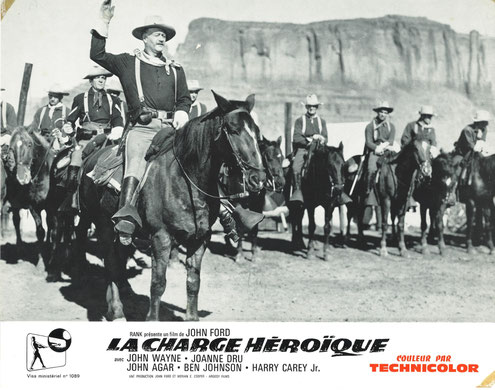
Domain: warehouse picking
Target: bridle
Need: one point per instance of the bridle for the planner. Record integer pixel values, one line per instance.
(20, 163)
(244, 166)
(270, 176)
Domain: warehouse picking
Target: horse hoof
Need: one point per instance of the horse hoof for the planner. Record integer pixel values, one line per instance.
(327, 257)
(194, 318)
(404, 253)
(53, 277)
(471, 251)
(383, 252)
(240, 258)
(311, 256)
(425, 250)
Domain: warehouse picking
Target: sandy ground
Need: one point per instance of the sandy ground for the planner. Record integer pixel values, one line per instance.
(355, 285)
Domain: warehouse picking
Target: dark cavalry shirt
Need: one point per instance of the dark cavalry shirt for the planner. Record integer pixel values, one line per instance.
(46, 124)
(468, 138)
(299, 138)
(414, 130)
(374, 137)
(96, 114)
(158, 86)
(194, 113)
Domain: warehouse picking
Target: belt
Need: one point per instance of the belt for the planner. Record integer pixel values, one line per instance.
(162, 114)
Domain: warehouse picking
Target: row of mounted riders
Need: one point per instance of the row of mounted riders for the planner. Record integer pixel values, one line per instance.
(179, 200)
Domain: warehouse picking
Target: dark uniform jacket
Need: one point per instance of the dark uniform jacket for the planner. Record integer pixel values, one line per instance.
(306, 126)
(98, 110)
(46, 123)
(468, 138)
(9, 123)
(384, 132)
(197, 109)
(158, 82)
(415, 130)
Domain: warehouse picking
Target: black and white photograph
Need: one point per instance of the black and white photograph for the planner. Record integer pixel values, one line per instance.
(251, 161)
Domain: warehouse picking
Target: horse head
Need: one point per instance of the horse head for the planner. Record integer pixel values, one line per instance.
(332, 164)
(237, 142)
(443, 177)
(272, 161)
(22, 150)
(423, 157)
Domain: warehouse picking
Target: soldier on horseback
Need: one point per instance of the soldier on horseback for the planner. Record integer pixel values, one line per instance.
(96, 117)
(421, 129)
(309, 129)
(472, 139)
(50, 119)
(8, 122)
(158, 98)
(197, 108)
(115, 89)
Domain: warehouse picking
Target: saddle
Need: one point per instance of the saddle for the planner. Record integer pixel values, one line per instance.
(109, 169)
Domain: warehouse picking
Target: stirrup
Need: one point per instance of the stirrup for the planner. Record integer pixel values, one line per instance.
(125, 229)
(232, 235)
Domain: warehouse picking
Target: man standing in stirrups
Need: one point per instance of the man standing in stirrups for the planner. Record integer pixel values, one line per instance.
(157, 95)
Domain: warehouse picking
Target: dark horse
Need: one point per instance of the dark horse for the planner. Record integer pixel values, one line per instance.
(272, 157)
(435, 194)
(322, 186)
(29, 178)
(178, 202)
(393, 184)
(478, 194)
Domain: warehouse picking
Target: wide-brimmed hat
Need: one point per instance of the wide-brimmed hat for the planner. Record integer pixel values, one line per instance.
(383, 105)
(157, 22)
(114, 85)
(193, 85)
(96, 71)
(481, 116)
(57, 90)
(312, 100)
(427, 110)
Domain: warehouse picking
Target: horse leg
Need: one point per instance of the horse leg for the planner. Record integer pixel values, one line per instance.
(311, 231)
(53, 264)
(40, 232)
(424, 227)
(16, 218)
(400, 229)
(385, 209)
(470, 222)
(240, 254)
(161, 245)
(350, 213)
(256, 249)
(487, 212)
(439, 226)
(80, 263)
(327, 230)
(193, 266)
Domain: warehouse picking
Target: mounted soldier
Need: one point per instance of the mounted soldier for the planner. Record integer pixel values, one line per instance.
(197, 108)
(379, 136)
(472, 139)
(95, 117)
(308, 130)
(158, 98)
(50, 119)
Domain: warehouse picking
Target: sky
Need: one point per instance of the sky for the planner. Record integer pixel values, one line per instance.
(54, 34)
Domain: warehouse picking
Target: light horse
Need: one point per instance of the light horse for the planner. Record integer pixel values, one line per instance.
(178, 202)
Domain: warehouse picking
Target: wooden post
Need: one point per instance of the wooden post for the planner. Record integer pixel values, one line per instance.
(288, 128)
(21, 111)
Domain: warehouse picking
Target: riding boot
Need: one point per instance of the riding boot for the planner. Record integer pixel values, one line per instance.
(228, 224)
(296, 189)
(127, 217)
(72, 178)
(71, 201)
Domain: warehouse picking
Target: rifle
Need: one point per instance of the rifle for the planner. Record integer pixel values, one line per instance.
(358, 174)
(124, 136)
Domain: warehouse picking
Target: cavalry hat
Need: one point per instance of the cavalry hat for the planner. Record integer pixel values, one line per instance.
(114, 85)
(312, 100)
(427, 110)
(383, 105)
(481, 116)
(57, 90)
(193, 85)
(96, 71)
(157, 22)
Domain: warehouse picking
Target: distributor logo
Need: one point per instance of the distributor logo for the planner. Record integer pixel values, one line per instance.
(43, 352)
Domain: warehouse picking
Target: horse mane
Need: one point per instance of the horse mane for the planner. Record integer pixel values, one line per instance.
(487, 167)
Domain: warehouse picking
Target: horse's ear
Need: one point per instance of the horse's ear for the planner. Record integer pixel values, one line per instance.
(222, 103)
(341, 147)
(279, 141)
(250, 102)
